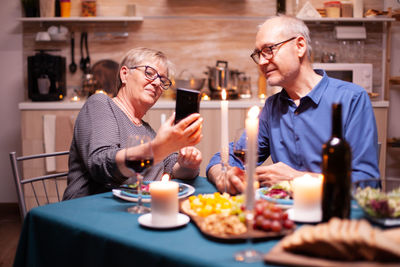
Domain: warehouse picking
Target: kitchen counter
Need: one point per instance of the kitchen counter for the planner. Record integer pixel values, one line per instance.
(32, 116)
(161, 104)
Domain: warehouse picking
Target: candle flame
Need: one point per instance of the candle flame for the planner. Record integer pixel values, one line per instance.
(205, 97)
(165, 177)
(253, 112)
(223, 94)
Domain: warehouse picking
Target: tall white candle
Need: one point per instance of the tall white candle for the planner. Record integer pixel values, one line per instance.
(224, 128)
(251, 156)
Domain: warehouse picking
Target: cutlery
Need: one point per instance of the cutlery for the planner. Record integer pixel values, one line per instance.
(72, 66)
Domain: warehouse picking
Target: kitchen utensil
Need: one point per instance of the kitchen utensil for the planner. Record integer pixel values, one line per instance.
(72, 65)
(87, 60)
(82, 63)
(186, 80)
(222, 75)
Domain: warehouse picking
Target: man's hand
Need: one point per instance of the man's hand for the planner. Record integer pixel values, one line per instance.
(275, 173)
(235, 178)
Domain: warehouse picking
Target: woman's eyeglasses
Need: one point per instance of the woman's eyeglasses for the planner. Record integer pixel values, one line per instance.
(268, 51)
(151, 74)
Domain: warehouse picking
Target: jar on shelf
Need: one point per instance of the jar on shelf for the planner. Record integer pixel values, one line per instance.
(332, 9)
(88, 8)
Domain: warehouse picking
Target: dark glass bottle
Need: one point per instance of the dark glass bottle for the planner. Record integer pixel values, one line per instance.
(336, 168)
(281, 7)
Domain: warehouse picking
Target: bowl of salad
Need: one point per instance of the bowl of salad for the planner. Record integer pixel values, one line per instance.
(280, 193)
(379, 199)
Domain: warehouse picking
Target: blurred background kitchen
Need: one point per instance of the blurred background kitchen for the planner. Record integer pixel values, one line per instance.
(209, 42)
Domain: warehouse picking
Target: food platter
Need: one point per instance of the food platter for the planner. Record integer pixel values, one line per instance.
(131, 195)
(254, 234)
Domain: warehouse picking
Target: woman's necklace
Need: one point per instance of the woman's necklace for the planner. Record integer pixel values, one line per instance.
(125, 110)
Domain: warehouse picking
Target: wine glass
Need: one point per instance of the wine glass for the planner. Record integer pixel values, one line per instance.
(139, 158)
(239, 145)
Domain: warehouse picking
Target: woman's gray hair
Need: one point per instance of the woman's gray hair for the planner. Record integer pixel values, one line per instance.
(137, 56)
(292, 26)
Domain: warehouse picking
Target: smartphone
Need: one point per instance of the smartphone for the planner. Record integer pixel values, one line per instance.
(187, 102)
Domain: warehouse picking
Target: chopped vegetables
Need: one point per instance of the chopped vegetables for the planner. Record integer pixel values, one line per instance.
(379, 204)
(281, 190)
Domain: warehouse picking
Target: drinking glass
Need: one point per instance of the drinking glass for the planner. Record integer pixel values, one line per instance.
(239, 145)
(139, 158)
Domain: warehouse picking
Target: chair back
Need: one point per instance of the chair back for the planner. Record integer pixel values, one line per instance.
(39, 190)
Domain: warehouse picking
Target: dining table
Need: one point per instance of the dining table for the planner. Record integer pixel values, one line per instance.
(98, 231)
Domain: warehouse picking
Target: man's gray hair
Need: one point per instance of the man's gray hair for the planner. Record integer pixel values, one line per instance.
(292, 26)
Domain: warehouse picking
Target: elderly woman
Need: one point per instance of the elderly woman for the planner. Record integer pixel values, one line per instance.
(102, 128)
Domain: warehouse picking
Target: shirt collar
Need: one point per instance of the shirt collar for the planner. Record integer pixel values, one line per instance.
(316, 93)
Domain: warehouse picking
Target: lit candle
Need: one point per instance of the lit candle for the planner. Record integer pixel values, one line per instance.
(251, 156)
(164, 201)
(224, 129)
(307, 197)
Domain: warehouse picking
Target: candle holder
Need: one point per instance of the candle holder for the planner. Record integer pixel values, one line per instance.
(250, 254)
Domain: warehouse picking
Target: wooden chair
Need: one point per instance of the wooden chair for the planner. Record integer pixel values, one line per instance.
(44, 189)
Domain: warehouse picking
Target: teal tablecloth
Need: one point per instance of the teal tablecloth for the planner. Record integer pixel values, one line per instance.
(98, 231)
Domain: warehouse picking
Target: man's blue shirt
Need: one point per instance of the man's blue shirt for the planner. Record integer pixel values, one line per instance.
(294, 134)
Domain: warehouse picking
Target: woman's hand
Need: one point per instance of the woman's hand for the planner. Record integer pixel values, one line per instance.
(190, 157)
(188, 164)
(171, 137)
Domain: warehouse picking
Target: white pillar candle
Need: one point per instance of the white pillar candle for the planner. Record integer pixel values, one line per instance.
(224, 129)
(251, 156)
(307, 197)
(164, 202)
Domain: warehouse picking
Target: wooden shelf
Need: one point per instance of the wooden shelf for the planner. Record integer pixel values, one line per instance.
(82, 19)
(338, 20)
(140, 18)
(395, 80)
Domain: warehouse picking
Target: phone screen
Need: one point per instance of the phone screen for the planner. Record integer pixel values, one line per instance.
(187, 102)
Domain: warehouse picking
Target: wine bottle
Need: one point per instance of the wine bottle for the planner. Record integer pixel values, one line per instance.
(336, 169)
(281, 6)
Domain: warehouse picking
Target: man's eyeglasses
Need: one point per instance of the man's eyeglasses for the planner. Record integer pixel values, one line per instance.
(151, 74)
(268, 51)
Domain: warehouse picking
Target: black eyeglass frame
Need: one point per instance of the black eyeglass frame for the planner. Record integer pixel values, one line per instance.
(165, 82)
(256, 55)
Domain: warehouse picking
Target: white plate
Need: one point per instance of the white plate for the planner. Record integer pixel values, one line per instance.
(147, 199)
(291, 216)
(145, 220)
(387, 222)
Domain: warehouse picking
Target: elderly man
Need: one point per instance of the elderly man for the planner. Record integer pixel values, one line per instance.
(295, 122)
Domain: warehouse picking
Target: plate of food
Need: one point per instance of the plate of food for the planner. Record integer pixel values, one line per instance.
(130, 192)
(379, 202)
(280, 193)
(221, 217)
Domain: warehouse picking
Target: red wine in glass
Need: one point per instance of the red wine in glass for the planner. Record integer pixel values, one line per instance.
(139, 158)
(139, 165)
(240, 154)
